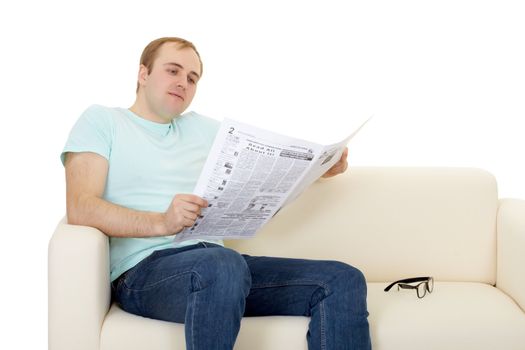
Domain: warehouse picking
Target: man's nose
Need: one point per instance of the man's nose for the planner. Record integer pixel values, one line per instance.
(182, 84)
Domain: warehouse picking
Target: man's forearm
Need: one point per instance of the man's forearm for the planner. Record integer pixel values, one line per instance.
(115, 220)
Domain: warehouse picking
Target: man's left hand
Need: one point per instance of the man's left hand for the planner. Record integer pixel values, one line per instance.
(339, 167)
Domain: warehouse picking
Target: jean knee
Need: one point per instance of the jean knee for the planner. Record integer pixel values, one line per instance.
(348, 281)
(356, 289)
(226, 270)
(355, 276)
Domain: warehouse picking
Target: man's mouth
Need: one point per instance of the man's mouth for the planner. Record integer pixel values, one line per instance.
(176, 95)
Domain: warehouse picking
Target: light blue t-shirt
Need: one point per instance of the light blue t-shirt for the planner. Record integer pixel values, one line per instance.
(149, 163)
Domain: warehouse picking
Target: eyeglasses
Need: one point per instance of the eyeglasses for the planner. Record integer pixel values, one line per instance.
(426, 285)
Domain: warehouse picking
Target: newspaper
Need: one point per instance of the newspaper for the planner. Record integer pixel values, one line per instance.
(250, 174)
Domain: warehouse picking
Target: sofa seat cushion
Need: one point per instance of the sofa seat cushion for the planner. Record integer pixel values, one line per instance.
(125, 331)
(456, 315)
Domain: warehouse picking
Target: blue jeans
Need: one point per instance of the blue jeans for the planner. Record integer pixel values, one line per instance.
(210, 288)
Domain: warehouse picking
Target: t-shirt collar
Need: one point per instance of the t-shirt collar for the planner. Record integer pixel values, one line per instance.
(161, 129)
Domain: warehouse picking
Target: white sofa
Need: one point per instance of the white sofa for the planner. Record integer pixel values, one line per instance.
(392, 223)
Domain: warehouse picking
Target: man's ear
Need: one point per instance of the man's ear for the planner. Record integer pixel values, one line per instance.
(143, 75)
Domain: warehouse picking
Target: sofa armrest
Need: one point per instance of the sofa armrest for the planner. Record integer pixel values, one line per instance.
(511, 249)
(78, 287)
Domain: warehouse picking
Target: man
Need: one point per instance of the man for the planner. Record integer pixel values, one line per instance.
(129, 173)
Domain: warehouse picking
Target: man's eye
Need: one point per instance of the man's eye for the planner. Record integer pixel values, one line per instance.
(173, 71)
(191, 81)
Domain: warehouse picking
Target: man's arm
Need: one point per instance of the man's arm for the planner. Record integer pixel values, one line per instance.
(86, 175)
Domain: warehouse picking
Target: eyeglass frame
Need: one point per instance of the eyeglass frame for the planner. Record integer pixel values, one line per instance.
(428, 281)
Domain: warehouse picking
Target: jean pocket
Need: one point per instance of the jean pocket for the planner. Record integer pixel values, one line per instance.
(129, 275)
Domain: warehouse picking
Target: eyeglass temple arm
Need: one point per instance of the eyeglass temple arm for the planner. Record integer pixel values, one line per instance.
(407, 280)
(406, 286)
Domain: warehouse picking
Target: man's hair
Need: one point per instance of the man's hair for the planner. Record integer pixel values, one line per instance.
(150, 52)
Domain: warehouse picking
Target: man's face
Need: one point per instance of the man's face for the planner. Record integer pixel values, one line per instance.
(171, 85)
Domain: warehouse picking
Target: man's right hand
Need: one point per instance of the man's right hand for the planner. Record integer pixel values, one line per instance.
(182, 212)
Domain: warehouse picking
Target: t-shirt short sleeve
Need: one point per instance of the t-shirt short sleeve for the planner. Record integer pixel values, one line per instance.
(92, 132)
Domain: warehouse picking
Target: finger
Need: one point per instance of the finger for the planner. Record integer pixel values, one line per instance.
(184, 213)
(182, 205)
(338, 168)
(191, 198)
(339, 165)
(190, 207)
(344, 155)
(188, 222)
(190, 215)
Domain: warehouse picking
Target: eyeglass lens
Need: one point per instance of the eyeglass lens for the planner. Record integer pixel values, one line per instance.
(421, 289)
(425, 286)
(430, 285)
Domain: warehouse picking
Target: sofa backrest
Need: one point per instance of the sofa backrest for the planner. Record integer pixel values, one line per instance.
(391, 223)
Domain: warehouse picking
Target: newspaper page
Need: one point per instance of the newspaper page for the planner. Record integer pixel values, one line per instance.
(250, 174)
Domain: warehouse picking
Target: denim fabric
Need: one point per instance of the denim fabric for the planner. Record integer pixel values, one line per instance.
(210, 288)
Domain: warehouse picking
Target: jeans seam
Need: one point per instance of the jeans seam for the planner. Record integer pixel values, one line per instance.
(322, 316)
(192, 330)
(154, 285)
(293, 283)
(194, 308)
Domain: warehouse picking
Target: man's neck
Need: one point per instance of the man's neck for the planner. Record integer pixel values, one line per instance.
(141, 109)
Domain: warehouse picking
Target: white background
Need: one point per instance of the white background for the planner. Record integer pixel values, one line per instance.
(445, 81)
